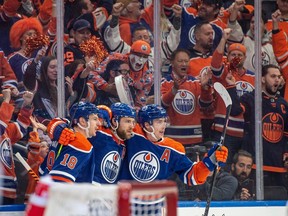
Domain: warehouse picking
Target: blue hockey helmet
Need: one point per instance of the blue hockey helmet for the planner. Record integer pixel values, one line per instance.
(122, 110)
(105, 115)
(150, 112)
(82, 109)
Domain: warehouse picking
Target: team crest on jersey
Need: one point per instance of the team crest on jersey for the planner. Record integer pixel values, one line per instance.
(273, 126)
(26, 64)
(6, 153)
(110, 166)
(265, 59)
(144, 166)
(191, 35)
(184, 102)
(243, 87)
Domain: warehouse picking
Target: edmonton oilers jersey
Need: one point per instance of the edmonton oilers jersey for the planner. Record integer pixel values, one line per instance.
(107, 156)
(189, 22)
(145, 161)
(74, 163)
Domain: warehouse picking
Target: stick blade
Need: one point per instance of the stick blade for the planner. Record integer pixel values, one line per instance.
(223, 93)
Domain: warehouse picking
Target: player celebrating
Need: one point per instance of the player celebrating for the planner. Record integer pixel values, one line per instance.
(109, 147)
(151, 156)
(74, 162)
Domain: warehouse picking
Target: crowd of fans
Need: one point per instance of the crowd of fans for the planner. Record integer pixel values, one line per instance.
(201, 42)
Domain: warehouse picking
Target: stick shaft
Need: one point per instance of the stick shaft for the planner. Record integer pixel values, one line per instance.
(27, 167)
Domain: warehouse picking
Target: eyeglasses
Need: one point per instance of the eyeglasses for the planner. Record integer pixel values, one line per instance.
(123, 71)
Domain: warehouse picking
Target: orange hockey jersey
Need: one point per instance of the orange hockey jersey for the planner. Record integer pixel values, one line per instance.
(183, 109)
(10, 132)
(280, 48)
(244, 83)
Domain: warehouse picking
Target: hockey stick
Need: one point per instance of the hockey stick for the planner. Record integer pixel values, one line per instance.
(27, 167)
(221, 90)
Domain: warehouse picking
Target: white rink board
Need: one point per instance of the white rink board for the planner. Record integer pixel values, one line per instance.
(233, 208)
(235, 211)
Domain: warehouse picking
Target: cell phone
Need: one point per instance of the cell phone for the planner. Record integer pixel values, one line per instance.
(249, 185)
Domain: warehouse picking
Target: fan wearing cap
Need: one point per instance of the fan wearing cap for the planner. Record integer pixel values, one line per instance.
(245, 80)
(141, 77)
(81, 32)
(248, 40)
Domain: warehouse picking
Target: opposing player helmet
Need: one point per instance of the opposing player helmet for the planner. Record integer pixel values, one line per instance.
(122, 110)
(150, 112)
(82, 109)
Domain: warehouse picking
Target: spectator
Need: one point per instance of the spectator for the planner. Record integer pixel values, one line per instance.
(170, 35)
(45, 86)
(244, 84)
(208, 11)
(283, 23)
(224, 188)
(274, 123)
(19, 60)
(79, 165)
(9, 16)
(248, 41)
(114, 68)
(183, 96)
(131, 17)
(140, 78)
(8, 78)
(11, 133)
(241, 169)
(37, 151)
(280, 47)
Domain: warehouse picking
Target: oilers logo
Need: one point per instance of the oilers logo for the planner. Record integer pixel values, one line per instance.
(110, 166)
(144, 166)
(6, 153)
(265, 59)
(184, 102)
(272, 129)
(191, 35)
(243, 87)
(26, 64)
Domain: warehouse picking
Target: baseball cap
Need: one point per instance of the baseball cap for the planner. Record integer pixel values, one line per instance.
(81, 24)
(237, 46)
(141, 47)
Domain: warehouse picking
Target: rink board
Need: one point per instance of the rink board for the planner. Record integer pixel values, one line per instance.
(232, 208)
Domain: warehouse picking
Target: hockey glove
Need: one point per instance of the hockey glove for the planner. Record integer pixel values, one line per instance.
(58, 130)
(216, 156)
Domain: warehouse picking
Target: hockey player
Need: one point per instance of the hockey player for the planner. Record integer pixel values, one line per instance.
(73, 162)
(109, 147)
(151, 156)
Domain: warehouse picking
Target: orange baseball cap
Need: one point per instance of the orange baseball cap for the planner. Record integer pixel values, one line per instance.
(237, 46)
(141, 47)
